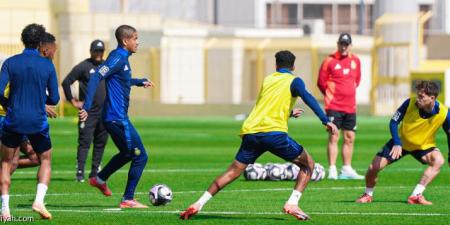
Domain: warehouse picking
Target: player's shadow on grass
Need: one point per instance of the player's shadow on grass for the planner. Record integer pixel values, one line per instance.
(227, 217)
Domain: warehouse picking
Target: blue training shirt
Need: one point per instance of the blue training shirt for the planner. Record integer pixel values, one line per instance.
(116, 71)
(30, 77)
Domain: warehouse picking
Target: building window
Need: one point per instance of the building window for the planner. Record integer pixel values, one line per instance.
(311, 11)
(282, 15)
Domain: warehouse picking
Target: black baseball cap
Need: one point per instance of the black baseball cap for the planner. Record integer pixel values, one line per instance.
(345, 38)
(97, 45)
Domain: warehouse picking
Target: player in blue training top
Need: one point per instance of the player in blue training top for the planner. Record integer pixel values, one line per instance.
(116, 71)
(30, 77)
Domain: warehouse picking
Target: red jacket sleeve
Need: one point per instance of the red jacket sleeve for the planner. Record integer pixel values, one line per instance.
(323, 76)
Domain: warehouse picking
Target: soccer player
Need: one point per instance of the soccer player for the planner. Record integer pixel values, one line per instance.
(419, 118)
(116, 71)
(30, 77)
(266, 129)
(47, 49)
(93, 128)
(339, 76)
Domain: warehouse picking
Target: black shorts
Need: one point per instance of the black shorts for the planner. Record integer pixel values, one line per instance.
(39, 141)
(417, 154)
(344, 121)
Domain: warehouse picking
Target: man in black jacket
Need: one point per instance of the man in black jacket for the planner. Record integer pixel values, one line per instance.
(93, 128)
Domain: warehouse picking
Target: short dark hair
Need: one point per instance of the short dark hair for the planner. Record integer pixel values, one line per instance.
(32, 34)
(48, 38)
(429, 87)
(124, 31)
(285, 59)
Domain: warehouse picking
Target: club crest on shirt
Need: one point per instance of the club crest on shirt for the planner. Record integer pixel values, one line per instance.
(353, 65)
(103, 70)
(346, 71)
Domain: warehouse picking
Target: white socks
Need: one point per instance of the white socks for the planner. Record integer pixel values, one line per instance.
(5, 203)
(204, 199)
(295, 197)
(418, 190)
(369, 191)
(40, 193)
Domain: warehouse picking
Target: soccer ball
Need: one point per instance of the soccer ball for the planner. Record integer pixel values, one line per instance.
(160, 194)
(292, 171)
(277, 172)
(318, 172)
(268, 166)
(255, 172)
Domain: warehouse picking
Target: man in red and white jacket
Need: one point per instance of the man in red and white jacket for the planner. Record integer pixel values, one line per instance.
(339, 76)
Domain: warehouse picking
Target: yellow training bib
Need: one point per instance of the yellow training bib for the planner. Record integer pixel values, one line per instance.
(273, 107)
(417, 133)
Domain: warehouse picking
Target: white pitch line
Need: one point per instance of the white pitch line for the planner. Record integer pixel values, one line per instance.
(106, 211)
(236, 190)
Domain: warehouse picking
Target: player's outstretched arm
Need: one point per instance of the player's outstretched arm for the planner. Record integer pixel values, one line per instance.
(144, 82)
(332, 128)
(297, 112)
(298, 89)
(112, 64)
(395, 121)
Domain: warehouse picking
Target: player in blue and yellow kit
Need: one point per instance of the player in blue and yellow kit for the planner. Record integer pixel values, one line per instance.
(420, 119)
(116, 71)
(32, 84)
(266, 129)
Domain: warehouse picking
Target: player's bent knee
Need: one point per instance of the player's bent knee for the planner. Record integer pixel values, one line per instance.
(439, 162)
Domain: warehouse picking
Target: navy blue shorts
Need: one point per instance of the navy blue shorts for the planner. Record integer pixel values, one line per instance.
(279, 144)
(417, 154)
(125, 137)
(39, 141)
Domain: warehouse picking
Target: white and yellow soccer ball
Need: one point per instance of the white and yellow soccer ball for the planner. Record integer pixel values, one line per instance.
(160, 194)
(318, 172)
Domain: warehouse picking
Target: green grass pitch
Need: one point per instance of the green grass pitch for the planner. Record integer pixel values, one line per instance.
(188, 153)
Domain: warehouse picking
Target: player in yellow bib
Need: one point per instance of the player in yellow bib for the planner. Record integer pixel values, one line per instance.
(266, 130)
(420, 118)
